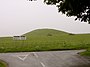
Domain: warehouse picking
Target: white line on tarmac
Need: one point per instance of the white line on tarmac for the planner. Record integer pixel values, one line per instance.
(35, 55)
(21, 57)
(42, 64)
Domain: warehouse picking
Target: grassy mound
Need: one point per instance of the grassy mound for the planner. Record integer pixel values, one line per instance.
(45, 40)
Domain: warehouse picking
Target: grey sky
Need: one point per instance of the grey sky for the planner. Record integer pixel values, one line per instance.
(21, 16)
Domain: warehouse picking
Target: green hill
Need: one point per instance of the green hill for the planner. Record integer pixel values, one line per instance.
(46, 32)
(44, 40)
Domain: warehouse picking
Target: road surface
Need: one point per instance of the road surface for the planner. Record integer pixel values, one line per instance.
(68, 58)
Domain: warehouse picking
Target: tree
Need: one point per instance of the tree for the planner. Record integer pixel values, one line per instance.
(78, 8)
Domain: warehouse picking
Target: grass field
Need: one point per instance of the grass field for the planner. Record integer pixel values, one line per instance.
(3, 64)
(45, 40)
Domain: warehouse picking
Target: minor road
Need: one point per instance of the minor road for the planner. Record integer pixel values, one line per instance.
(68, 58)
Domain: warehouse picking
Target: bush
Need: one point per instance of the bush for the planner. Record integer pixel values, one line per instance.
(49, 34)
(71, 34)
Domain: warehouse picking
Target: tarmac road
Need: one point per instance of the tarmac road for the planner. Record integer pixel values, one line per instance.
(68, 58)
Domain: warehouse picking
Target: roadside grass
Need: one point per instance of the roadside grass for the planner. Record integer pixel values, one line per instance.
(3, 64)
(46, 40)
(86, 53)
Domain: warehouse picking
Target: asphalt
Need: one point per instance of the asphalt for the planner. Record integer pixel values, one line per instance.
(68, 58)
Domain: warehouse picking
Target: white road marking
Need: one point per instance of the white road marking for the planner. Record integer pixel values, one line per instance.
(35, 55)
(21, 57)
(42, 64)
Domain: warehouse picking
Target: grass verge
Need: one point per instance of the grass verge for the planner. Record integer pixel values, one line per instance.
(3, 64)
(86, 53)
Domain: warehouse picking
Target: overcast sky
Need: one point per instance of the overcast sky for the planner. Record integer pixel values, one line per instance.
(20, 16)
